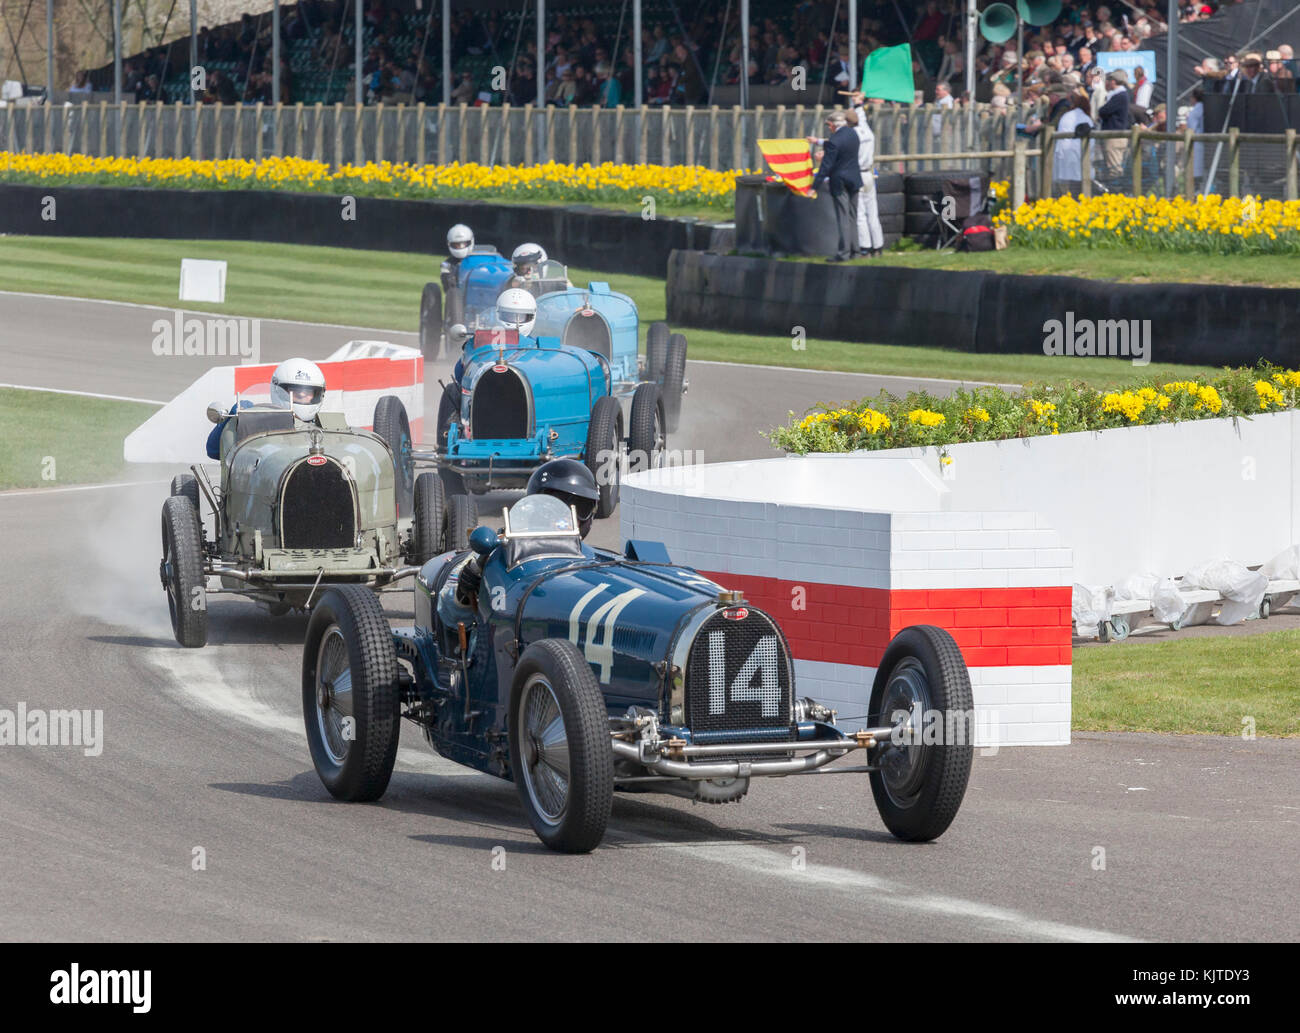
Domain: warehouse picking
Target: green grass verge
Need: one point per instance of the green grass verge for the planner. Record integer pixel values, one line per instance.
(1206, 685)
(1119, 265)
(51, 439)
(382, 289)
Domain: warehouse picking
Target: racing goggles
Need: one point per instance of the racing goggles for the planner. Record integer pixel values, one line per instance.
(305, 394)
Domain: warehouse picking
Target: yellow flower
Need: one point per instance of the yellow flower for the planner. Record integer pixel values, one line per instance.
(925, 417)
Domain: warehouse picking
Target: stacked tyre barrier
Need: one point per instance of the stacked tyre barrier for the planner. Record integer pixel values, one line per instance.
(891, 205)
(924, 195)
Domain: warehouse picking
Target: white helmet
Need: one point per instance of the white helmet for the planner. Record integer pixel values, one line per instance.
(517, 309)
(460, 240)
(527, 259)
(298, 384)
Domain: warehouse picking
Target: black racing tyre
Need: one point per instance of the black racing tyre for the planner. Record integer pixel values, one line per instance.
(186, 484)
(673, 382)
(656, 349)
(914, 224)
(891, 239)
(448, 411)
(889, 182)
(453, 307)
(934, 182)
(560, 754)
(604, 435)
(889, 204)
(181, 572)
(391, 424)
(452, 483)
(459, 518)
(919, 787)
(646, 435)
(348, 635)
(431, 322)
(427, 522)
(891, 224)
(921, 205)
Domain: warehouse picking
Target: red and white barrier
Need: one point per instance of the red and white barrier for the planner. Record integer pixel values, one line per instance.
(177, 433)
(846, 551)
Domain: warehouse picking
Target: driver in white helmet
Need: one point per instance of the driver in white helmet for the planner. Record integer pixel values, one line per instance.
(529, 261)
(516, 310)
(460, 243)
(297, 385)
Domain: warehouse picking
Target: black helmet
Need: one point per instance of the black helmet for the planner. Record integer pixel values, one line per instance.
(572, 483)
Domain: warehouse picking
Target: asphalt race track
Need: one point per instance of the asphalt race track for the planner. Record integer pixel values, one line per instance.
(204, 749)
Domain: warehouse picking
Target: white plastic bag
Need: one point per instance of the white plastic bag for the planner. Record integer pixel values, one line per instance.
(1242, 589)
(1285, 566)
(1090, 608)
(1167, 605)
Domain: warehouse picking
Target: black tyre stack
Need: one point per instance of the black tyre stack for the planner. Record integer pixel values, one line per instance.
(890, 203)
(920, 188)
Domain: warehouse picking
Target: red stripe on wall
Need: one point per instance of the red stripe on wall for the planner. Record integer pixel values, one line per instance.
(995, 627)
(352, 375)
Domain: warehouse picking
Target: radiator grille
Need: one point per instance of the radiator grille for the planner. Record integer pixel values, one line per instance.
(499, 406)
(738, 682)
(318, 510)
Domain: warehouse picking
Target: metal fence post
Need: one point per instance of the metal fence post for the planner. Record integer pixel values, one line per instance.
(1135, 148)
(1018, 175)
(1047, 163)
(1085, 166)
(1288, 156)
(1189, 167)
(1234, 162)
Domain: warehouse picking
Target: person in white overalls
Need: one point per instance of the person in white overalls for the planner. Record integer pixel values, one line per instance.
(871, 241)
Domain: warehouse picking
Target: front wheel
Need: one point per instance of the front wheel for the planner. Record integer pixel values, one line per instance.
(646, 437)
(674, 381)
(602, 458)
(350, 698)
(560, 753)
(920, 781)
(181, 572)
(431, 322)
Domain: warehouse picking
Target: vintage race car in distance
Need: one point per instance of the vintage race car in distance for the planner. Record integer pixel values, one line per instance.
(300, 507)
(468, 297)
(575, 672)
(563, 391)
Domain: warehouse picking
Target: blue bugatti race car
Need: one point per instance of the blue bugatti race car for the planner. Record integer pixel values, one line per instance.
(576, 672)
(554, 380)
(471, 281)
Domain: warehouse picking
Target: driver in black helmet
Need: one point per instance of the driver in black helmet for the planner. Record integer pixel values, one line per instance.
(572, 483)
(569, 481)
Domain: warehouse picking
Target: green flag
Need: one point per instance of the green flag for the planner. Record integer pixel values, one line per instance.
(887, 74)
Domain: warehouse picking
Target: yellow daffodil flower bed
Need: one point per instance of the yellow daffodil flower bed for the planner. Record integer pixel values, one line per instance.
(1211, 223)
(670, 186)
(992, 414)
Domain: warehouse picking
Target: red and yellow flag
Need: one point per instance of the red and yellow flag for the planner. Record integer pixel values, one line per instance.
(792, 161)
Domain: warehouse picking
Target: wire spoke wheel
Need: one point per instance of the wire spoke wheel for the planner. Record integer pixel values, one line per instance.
(334, 715)
(902, 767)
(546, 750)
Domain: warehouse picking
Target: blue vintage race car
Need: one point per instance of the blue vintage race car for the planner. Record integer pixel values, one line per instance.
(467, 296)
(575, 672)
(522, 401)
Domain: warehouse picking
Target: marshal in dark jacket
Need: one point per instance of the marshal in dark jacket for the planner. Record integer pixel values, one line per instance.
(839, 168)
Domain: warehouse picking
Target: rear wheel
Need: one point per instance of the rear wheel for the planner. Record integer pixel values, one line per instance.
(431, 321)
(646, 438)
(391, 424)
(602, 456)
(560, 754)
(426, 528)
(459, 520)
(918, 786)
(674, 381)
(181, 572)
(350, 696)
(656, 349)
